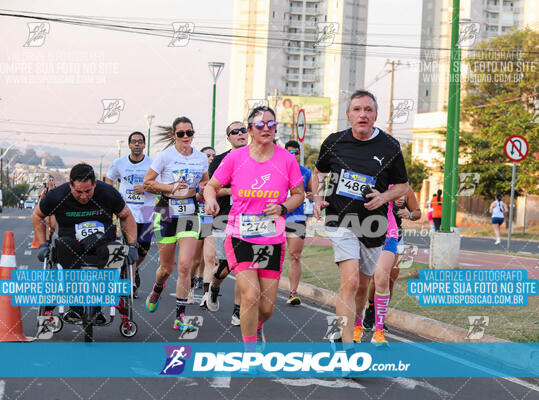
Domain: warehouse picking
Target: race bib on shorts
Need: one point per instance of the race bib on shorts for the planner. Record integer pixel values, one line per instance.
(85, 229)
(133, 197)
(256, 225)
(182, 207)
(351, 184)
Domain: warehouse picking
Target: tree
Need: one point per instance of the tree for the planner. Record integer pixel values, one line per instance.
(498, 102)
(12, 194)
(417, 171)
(310, 156)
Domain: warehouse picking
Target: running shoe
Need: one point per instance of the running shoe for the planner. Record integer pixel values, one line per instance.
(235, 320)
(152, 301)
(379, 338)
(72, 316)
(260, 340)
(135, 292)
(358, 333)
(191, 296)
(293, 299)
(213, 300)
(368, 318)
(181, 325)
(498, 241)
(204, 302)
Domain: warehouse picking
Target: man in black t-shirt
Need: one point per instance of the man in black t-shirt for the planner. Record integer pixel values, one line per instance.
(83, 208)
(236, 134)
(362, 162)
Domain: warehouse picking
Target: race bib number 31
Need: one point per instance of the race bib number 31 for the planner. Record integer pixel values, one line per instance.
(85, 229)
(133, 197)
(256, 225)
(351, 184)
(182, 207)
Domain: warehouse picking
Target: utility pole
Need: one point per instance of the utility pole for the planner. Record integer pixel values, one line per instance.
(453, 108)
(391, 89)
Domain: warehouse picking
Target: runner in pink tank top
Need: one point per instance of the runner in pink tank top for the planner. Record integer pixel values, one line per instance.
(260, 176)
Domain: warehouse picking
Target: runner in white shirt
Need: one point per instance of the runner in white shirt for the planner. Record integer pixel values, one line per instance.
(180, 169)
(130, 171)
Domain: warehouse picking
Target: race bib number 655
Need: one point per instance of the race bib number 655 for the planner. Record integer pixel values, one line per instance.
(85, 229)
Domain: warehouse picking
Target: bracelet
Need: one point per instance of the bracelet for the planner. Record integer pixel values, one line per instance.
(134, 244)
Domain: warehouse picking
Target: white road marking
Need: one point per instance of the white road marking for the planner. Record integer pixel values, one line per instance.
(2, 389)
(411, 384)
(220, 382)
(27, 252)
(470, 265)
(336, 384)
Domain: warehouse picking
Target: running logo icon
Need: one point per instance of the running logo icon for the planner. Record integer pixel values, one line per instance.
(325, 33)
(181, 34)
(262, 255)
(335, 325)
(176, 358)
(257, 185)
(477, 326)
(37, 33)
(111, 111)
(469, 33)
(402, 110)
(468, 181)
(197, 321)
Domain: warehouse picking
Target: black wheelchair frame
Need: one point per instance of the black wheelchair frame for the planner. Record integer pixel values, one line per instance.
(50, 324)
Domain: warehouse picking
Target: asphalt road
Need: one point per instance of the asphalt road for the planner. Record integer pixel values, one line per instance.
(299, 324)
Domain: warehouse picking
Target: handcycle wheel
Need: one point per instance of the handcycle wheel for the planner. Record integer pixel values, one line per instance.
(128, 329)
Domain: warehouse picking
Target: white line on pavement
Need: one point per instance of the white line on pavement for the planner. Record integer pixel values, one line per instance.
(411, 384)
(336, 384)
(219, 382)
(2, 389)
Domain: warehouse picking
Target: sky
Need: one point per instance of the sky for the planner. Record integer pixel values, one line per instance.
(47, 104)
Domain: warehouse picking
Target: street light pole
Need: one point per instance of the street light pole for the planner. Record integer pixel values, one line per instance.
(215, 69)
(149, 118)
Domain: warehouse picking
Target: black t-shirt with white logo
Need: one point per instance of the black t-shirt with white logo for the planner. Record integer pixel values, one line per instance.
(224, 202)
(80, 220)
(353, 164)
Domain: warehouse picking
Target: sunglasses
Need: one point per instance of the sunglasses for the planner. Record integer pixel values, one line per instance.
(270, 124)
(237, 131)
(140, 141)
(294, 151)
(181, 134)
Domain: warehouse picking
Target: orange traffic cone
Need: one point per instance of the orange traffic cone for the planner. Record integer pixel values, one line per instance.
(34, 243)
(10, 316)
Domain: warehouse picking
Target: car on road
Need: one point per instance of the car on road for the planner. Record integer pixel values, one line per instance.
(29, 203)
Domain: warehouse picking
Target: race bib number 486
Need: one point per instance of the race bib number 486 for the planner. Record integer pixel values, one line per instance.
(352, 183)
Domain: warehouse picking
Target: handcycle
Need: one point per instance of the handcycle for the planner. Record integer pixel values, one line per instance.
(49, 324)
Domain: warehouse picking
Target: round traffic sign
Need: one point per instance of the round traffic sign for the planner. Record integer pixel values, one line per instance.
(516, 148)
(301, 125)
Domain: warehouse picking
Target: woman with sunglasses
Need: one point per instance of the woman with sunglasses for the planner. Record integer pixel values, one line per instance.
(180, 168)
(260, 176)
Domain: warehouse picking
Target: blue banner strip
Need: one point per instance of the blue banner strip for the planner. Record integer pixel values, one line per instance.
(151, 360)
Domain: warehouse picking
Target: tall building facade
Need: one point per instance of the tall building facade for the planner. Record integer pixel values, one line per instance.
(484, 19)
(298, 53)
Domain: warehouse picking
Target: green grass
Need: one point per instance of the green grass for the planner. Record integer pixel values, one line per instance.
(518, 324)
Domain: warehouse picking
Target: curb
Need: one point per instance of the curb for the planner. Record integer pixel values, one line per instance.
(422, 326)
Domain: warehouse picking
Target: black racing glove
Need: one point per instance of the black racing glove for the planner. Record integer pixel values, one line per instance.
(132, 255)
(44, 251)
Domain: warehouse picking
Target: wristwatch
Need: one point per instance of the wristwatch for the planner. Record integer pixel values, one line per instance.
(134, 244)
(284, 210)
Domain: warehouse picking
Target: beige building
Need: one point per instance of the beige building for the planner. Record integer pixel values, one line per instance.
(482, 19)
(305, 48)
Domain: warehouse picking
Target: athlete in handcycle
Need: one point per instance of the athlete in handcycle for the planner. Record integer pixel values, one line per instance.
(84, 208)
